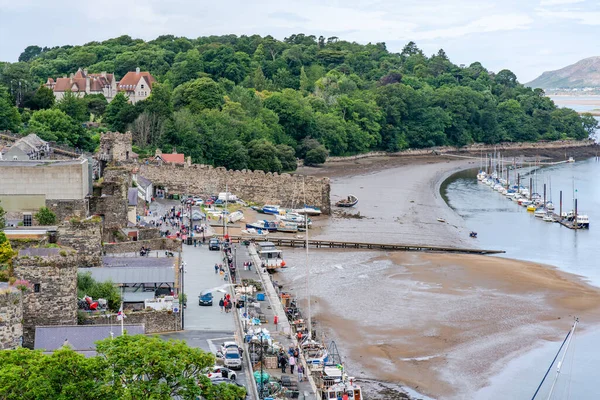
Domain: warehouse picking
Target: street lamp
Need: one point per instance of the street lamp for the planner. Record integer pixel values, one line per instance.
(261, 395)
(246, 308)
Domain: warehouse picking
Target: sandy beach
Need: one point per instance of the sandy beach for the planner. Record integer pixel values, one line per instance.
(441, 324)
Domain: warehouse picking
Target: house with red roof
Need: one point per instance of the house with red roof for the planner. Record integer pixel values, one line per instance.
(137, 85)
(82, 83)
(173, 158)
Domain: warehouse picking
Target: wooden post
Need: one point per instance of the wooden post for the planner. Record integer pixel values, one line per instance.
(544, 195)
(530, 187)
(575, 226)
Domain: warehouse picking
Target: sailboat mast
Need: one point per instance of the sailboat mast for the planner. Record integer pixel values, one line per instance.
(562, 359)
(307, 266)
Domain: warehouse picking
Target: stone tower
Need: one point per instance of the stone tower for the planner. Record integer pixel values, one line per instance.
(115, 147)
(53, 298)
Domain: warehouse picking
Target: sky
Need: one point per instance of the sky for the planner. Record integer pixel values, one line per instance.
(525, 36)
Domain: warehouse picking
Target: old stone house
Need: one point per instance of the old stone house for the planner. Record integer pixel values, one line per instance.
(82, 83)
(136, 85)
(30, 147)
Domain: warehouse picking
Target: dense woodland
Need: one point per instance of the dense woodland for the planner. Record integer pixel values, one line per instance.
(257, 102)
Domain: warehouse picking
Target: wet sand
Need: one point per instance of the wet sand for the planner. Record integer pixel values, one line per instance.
(442, 324)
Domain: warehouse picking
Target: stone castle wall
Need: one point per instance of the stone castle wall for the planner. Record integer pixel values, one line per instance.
(11, 316)
(134, 247)
(255, 186)
(56, 301)
(84, 236)
(154, 321)
(115, 146)
(66, 209)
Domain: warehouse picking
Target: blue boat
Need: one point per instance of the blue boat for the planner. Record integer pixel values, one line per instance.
(270, 209)
(263, 225)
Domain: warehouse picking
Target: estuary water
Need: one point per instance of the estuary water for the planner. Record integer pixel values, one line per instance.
(502, 224)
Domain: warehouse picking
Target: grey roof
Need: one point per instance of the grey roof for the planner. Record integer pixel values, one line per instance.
(81, 338)
(39, 251)
(30, 143)
(137, 297)
(143, 182)
(132, 197)
(164, 262)
(132, 275)
(42, 163)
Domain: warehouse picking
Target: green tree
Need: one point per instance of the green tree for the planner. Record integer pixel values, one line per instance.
(263, 156)
(29, 53)
(316, 156)
(43, 98)
(6, 251)
(120, 113)
(96, 104)
(74, 106)
(55, 125)
(10, 120)
(198, 95)
(45, 217)
(2, 217)
(287, 156)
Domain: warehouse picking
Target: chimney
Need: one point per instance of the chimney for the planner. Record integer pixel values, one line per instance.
(85, 72)
(174, 150)
(157, 152)
(103, 74)
(137, 70)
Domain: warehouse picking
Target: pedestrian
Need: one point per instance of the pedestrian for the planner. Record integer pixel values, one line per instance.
(283, 363)
(249, 265)
(221, 304)
(279, 358)
(216, 268)
(245, 265)
(300, 373)
(292, 364)
(225, 304)
(222, 273)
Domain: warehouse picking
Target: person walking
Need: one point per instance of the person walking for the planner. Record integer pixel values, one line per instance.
(216, 268)
(283, 363)
(300, 373)
(221, 304)
(225, 304)
(292, 362)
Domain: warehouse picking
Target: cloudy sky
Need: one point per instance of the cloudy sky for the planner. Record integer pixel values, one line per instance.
(526, 36)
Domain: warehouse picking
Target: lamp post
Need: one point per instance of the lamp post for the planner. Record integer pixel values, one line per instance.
(261, 395)
(245, 307)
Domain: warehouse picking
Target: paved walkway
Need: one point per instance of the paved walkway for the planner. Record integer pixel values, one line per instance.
(271, 307)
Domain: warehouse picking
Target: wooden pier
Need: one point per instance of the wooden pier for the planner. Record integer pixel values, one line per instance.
(336, 244)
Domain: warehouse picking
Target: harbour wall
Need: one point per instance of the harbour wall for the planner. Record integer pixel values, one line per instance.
(255, 186)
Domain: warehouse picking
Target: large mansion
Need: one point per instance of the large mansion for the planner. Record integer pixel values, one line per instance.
(136, 85)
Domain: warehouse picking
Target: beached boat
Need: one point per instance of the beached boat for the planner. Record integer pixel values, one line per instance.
(285, 226)
(441, 220)
(270, 226)
(350, 201)
(270, 209)
(254, 232)
(236, 216)
(308, 210)
(270, 256)
(294, 217)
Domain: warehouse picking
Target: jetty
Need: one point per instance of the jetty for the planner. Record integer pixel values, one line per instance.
(337, 244)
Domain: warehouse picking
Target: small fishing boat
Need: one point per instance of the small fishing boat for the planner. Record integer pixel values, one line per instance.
(270, 209)
(308, 210)
(236, 216)
(540, 213)
(571, 160)
(548, 218)
(473, 235)
(294, 217)
(254, 232)
(531, 207)
(583, 221)
(350, 201)
(441, 220)
(284, 226)
(257, 209)
(263, 225)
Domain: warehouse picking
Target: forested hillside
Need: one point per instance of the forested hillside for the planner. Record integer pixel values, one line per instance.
(256, 102)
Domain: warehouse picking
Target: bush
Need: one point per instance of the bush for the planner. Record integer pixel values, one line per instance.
(316, 156)
(45, 216)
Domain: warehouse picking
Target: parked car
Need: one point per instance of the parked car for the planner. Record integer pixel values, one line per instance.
(213, 244)
(208, 202)
(218, 372)
(233, 359)
(205, 299)
(226, 346)
(198, 202)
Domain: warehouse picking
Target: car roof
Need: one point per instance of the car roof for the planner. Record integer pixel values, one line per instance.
(230, 343)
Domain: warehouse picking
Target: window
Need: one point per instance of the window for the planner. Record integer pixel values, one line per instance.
(142, 86)
(26, 219)
(36, 287)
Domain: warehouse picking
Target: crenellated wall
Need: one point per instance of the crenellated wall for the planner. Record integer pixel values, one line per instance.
(255, 186)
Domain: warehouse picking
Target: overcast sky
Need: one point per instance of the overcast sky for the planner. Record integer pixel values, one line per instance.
(525, 36)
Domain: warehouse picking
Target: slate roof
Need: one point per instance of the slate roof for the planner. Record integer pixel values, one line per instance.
(81, 338)
(132, 275)
(132, 197)
(143, 182)
(30, 143)
(39, 251)
(146, 262)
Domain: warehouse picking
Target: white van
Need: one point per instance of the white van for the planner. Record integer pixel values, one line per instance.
(227, 196)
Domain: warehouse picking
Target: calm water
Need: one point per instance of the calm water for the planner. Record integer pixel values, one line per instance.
(502, 224)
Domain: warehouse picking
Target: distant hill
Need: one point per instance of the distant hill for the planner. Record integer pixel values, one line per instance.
(584, 73)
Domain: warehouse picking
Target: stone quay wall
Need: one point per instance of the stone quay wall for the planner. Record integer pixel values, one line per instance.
(148, 233)
(11, 318)
(154, 321)
(56, 301)
(253, 186)
(173, 245)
